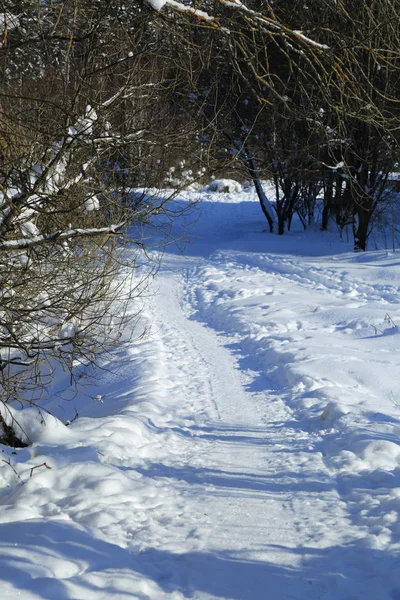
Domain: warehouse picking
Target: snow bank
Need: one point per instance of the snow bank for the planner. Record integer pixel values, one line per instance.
(223, 186)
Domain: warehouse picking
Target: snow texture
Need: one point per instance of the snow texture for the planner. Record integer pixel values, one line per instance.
(246, 449)
(157, 4)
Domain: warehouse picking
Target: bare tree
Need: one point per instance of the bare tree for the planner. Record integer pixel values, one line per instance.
(329, 69)
(81, 84)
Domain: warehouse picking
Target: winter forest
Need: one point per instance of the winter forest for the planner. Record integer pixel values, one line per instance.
(199, 299)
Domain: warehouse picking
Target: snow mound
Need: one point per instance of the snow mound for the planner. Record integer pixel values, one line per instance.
(32, 425)
(223, 186)
(378, 454)
(156, 4)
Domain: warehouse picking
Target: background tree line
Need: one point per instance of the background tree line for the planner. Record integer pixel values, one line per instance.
(318, 118)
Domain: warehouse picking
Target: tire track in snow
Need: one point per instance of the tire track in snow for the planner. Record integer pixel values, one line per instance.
(255, 497)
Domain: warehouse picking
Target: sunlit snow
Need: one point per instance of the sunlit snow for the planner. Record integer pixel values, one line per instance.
(247, 448)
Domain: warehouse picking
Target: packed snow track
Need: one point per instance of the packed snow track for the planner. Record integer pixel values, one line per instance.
(247, 448)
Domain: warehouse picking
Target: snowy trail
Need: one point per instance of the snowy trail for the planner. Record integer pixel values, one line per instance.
(237, 496)
(246, 449)
(256, 496)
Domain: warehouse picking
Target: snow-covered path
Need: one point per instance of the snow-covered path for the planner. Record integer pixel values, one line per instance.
(266, 513)
(254, 514)
(246, 449)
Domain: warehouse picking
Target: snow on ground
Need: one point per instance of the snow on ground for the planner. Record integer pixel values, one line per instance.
(246, 449)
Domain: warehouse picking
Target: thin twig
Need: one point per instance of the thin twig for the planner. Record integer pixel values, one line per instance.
(8, 462)
(37, 467)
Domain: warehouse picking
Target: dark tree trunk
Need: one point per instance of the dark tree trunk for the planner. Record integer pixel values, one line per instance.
(361, 228)
(264, 202)
(328, 202)
(281, 225)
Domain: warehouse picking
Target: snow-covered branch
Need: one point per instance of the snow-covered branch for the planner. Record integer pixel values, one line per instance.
(38, 240)
(255, 18)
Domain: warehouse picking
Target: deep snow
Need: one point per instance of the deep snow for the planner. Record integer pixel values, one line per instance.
(247, 448)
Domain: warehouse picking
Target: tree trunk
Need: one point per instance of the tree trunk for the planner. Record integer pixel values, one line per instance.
(281, 224)
(361, 227)
(264, 202)
(328, 202)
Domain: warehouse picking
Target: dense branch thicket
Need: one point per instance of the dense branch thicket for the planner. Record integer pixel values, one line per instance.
(86, 113)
